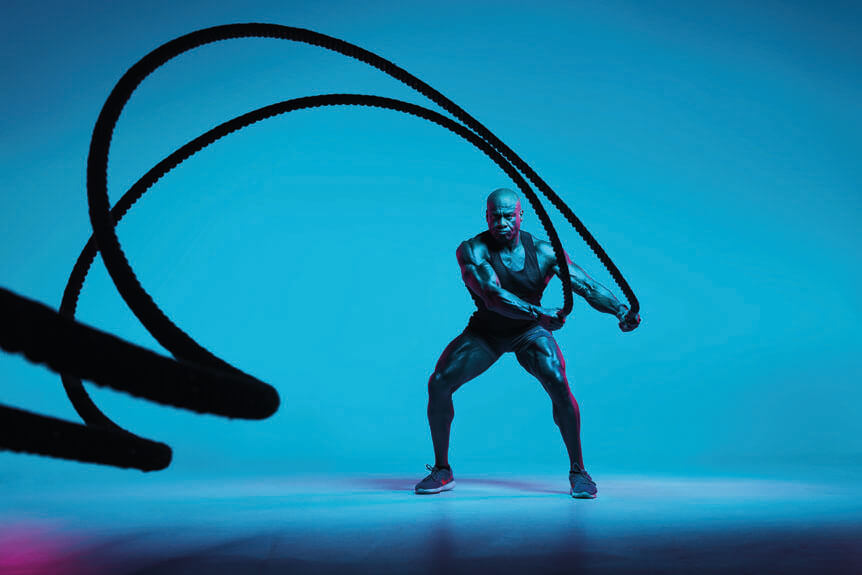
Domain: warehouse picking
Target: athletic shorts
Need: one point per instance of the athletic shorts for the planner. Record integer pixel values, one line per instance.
(500, 344)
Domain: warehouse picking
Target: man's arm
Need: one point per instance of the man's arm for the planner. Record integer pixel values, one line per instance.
(597, 295)
(482, 280)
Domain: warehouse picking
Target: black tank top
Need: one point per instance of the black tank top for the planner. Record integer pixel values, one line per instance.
(528, 284)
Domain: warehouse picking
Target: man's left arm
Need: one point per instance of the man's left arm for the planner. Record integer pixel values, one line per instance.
(597, 295)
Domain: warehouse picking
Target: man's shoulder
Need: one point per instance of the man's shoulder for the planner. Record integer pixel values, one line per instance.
(544, 252)
(544, 247)
(477, 246)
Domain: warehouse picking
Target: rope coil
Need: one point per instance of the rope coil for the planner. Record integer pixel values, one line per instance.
(201, 366)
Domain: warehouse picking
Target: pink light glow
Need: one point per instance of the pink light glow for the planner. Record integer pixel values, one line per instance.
(32, 547)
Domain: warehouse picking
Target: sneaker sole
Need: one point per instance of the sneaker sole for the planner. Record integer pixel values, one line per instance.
(583, 495)
(446, 487)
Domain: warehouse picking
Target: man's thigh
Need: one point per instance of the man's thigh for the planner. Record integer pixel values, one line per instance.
(466, 357)
(542, 357)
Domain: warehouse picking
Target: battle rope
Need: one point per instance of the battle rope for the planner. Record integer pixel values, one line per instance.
(104, 220)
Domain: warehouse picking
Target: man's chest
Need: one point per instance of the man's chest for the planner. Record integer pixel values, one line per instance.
(516, 262)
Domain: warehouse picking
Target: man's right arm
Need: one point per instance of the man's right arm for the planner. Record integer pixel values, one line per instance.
(482, 280)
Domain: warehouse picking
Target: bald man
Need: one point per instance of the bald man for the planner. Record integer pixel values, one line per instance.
(506, 270)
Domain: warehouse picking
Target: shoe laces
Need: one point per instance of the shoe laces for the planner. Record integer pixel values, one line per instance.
(581, 472)
(435, 471)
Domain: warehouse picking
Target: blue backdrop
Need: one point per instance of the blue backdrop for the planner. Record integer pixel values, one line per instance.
(712, 150)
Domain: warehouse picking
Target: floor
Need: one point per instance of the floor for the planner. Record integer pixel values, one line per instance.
(376, 524)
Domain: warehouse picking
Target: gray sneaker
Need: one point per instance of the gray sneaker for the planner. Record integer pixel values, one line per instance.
(439, 480)
(583, 486)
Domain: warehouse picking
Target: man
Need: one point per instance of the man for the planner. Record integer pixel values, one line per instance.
(506, 271)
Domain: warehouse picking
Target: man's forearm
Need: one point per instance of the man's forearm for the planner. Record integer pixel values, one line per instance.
(508, 304)
(601, 298)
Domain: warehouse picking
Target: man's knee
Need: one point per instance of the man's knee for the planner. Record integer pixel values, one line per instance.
(439, 383)
(554, 380)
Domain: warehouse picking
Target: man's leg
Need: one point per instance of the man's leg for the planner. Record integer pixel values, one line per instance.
(543, 359)
(463, 359)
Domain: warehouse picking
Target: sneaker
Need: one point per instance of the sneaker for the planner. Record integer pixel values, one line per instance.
(439, 480)
(583, 486)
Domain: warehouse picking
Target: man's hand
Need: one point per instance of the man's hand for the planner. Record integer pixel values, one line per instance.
(627, 323)
(551, 319)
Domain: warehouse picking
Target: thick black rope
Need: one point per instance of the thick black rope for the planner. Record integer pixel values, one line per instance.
(195, 358)
(66, 346)
(26, 432)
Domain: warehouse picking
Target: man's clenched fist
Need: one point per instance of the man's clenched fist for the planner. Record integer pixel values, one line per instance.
(551, 319)
(627, 322)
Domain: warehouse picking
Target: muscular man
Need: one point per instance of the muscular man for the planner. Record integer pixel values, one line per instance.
(506, 270)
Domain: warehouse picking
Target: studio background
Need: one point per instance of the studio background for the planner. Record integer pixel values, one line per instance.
(712, 151)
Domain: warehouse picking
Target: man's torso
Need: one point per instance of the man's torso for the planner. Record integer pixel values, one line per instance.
(525, 271)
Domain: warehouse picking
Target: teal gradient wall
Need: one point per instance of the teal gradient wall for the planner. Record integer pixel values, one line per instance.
(713, 151)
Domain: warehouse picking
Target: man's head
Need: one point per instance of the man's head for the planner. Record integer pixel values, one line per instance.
(503, 214)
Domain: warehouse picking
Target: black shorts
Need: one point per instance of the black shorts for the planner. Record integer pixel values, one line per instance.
(500, 344)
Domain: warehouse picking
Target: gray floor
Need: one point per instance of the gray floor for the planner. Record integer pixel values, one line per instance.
(375, 524)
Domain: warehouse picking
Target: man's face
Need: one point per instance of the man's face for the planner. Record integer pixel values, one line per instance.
(504, 217)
